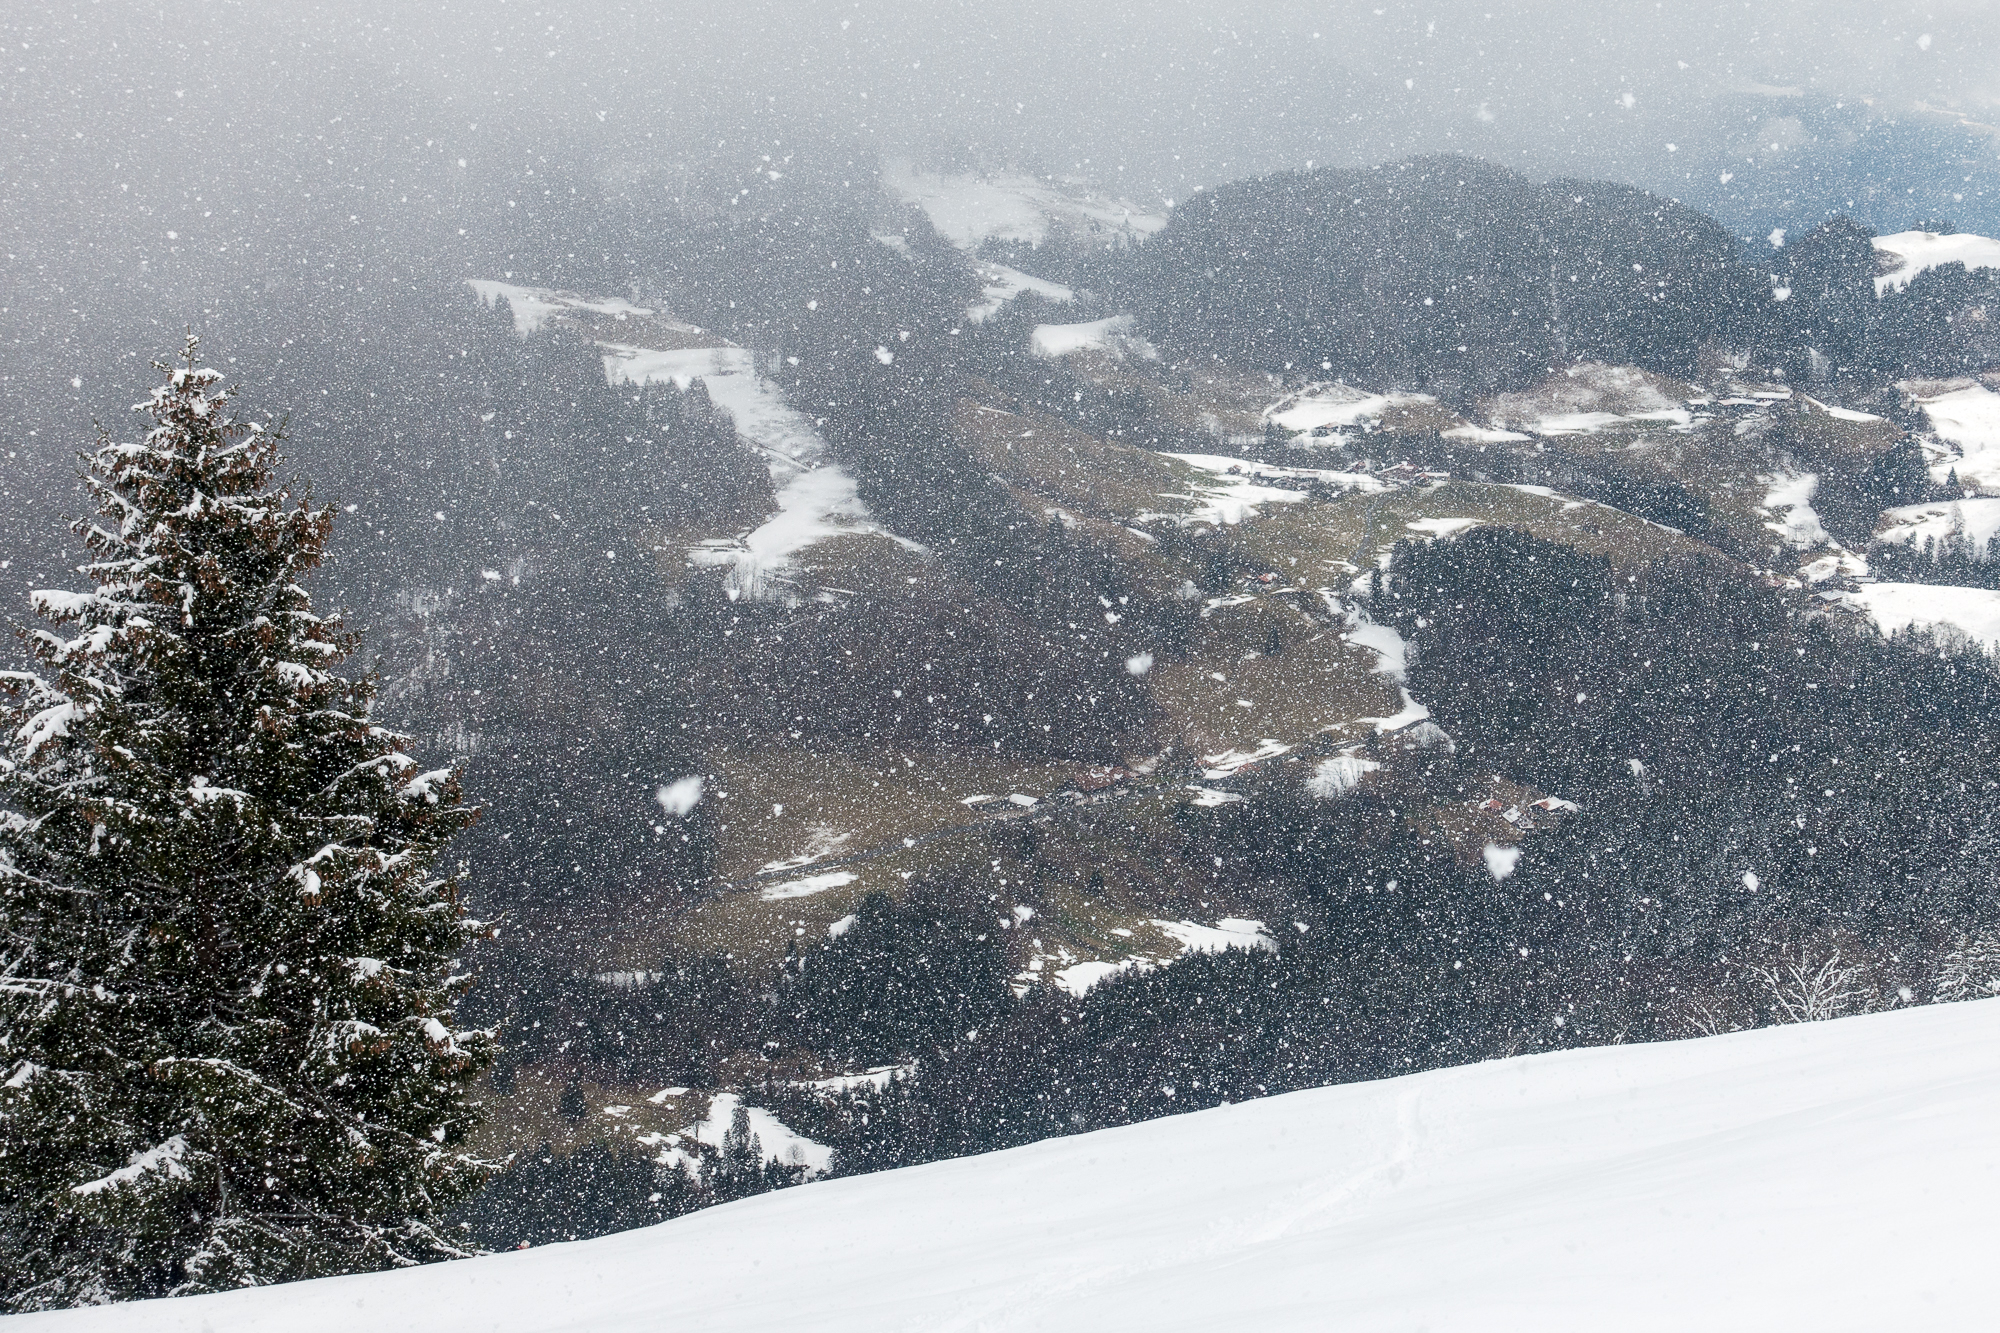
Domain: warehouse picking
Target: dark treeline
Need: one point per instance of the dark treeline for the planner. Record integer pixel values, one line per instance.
(1459, 277)
(1444, 273)
(1956, 560)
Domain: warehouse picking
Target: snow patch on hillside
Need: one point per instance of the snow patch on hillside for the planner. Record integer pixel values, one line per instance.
(817, 499)
(808, 886)
(1976, 522)
(969, 209)
(535, 306)
(1339, 774)
(1842, 413)
(1965, 416)
(1590, 397)
(1788, 500)
(1226, 763)
(1485, 435)
(1191, 938)
(1972, 612)
(1113, 335)
(1822, 1176)
(1233, 488)
(1905, 254)
(779, 1142)
(1337, 406)
(1001, 284)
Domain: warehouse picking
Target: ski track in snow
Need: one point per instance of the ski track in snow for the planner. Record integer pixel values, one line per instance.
(816, 498)
(1827, 1176)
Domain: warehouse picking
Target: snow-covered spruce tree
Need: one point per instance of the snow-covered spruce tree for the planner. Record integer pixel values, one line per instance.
(226, 962)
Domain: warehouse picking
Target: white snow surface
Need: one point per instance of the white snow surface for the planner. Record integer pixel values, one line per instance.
(1112, 334)
(1230, 932)
(533, 306)
(1973, 612)
(1191, 937)
(1484, 434)
(1227, 499)
(1843, 413)
(1830, 1176)
(808, 886)
(1907, 253)
(969, 209)
(1965, 415)
(1002, 284)
(1789, 502)
(817, 499)
(1976, 521)
(1339, 774)
(1589, 397)
(778, 1141)
(1335, 405)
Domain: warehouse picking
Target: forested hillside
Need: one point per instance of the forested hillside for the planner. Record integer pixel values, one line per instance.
(936, 683)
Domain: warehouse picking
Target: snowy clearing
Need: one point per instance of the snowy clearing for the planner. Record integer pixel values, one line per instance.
(1235, 487)
(1590, 397)
(1229, 933)
(1973, 612)
(1966, 416)
(1013, 207)
(1914, 252)
(1188, 937)
(1789, 502)
(1216, 766)
(808, 886)
(1830, 1176)
(1443, 527)
(778, 1141)
(878, 1078)
(817, 499)
(534, 306)
(1843, 413)
(1485, 435)
(1339, 774)
(1113, 335)
(1591, 423)
(1334, 406)
(1975, 521)
(1003, 284)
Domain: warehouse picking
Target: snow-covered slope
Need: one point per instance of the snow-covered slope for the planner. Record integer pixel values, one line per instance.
(817, 499)
(1972, 612)
(1965, 416)
(1827, 1177)
(1013, 206)
(1904, 255)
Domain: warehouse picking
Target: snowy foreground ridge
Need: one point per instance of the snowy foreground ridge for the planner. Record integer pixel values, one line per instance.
(1834, 1176)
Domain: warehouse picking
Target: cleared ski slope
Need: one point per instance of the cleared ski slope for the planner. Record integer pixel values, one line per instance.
(1843, 1175)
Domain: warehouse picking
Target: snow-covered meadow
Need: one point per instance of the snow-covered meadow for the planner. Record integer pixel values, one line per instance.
(1828, 1176)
